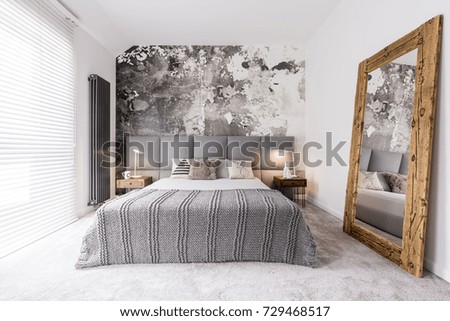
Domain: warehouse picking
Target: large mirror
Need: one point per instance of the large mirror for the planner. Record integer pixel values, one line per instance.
(384, 154)
(388, 182)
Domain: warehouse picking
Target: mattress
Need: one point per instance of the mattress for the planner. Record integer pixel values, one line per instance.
(208, 185)
(383, 210)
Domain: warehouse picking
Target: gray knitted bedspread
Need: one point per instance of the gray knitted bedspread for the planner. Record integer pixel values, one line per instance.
(180, 226)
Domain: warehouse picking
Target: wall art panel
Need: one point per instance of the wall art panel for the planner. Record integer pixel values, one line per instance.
(211, 90)
(389, 106)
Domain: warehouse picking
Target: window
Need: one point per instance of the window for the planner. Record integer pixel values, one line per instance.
(37, 122)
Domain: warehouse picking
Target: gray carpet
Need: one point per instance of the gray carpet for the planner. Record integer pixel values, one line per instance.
(347, 271)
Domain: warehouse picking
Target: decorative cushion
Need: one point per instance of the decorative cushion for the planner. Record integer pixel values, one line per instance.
(365, 158)
(241, 169)
(203, 169)
(383, 161)
(397, 182)
(373, 180)
(180, 168)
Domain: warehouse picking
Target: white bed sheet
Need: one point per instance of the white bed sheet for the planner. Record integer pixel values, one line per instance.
(206, 185)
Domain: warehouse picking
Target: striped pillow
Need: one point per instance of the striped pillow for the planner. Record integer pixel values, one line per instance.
(180, 168)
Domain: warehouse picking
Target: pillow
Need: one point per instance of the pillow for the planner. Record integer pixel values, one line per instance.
(241, 169)
(203, 169)
(397, 182)
(373, 180)
(180, 168)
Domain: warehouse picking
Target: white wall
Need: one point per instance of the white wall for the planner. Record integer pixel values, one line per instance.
(354, 31)
(91, 58)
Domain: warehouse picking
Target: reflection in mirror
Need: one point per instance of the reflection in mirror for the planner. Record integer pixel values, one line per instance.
(382, 182)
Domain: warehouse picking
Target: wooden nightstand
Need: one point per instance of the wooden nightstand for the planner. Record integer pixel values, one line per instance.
(134, 182)
(296, 183)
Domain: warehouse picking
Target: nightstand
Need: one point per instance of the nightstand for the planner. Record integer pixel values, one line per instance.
(296, 183)
(140, 182)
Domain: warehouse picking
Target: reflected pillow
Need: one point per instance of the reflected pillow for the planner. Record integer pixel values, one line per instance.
(240, 169)
(203, 169)
(397, 182)
(373, 180)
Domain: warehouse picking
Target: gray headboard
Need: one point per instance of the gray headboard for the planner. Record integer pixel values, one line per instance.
(383, 161)
(158, 151)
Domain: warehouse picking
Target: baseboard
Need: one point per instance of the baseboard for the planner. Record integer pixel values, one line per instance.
(325, 207)
(85, 211)
(437, 270)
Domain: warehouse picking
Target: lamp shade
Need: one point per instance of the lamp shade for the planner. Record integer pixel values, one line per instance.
(286, 154)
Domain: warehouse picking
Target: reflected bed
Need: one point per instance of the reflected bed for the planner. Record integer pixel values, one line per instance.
(383, 210)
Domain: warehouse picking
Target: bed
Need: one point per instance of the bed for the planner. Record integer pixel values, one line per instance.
(383, 210)
(185, 221)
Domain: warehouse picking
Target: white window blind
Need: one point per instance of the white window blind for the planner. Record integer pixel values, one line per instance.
(37, 122)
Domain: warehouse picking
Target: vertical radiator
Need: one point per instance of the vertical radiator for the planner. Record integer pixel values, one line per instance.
(99, 185)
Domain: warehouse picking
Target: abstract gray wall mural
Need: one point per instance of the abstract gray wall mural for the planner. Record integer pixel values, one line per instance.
(211, 90)
(389, 106)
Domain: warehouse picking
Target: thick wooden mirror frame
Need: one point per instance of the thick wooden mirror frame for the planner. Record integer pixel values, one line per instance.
(427, 40)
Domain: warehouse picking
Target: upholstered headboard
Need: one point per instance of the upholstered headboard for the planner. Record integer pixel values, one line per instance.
(158, 152)
(383, 161)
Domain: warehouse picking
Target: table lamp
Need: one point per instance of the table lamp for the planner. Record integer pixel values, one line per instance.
(288, 157)
(136, 152)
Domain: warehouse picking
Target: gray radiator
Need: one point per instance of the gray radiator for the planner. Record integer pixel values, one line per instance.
(99, 93)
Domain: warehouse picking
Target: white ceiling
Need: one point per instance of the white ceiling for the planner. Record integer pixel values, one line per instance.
(120, 24)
